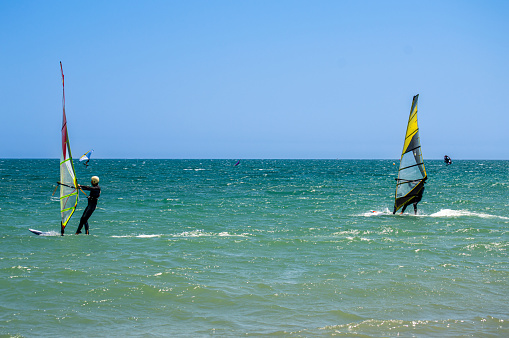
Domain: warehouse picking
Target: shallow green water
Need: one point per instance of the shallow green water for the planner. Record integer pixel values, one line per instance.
(269, 247)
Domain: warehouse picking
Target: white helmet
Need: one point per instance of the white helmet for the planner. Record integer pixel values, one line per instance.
(95, 180)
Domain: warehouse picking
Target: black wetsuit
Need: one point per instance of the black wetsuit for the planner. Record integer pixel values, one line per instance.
(416, 200)
(95, 192)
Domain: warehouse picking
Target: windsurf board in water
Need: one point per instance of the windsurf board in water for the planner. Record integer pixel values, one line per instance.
(40, 233)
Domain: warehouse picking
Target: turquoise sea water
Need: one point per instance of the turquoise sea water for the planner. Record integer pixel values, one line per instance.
(266, 248)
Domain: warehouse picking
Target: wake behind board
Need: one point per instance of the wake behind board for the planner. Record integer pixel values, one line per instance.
(40, 233)
(379, 212)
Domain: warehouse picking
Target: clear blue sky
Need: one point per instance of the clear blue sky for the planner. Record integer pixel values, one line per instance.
(254, 79)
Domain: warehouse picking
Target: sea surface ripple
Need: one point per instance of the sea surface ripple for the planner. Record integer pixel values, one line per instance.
(265, 248)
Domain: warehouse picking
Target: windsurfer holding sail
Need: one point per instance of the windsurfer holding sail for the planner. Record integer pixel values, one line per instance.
(412, 174)
(95, 192)
(415, 200)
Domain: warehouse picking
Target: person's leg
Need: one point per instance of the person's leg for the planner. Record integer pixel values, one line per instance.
(90, 211)
(83, 220)
(404, 208)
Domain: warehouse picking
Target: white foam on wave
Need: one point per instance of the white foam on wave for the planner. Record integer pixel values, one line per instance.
(463, 213)
(195, 233)
(136, 236)
(372, 213)
(199, 233)
(441, 213)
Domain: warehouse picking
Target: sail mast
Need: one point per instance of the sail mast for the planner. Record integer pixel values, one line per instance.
(68, 182)
(411, 173)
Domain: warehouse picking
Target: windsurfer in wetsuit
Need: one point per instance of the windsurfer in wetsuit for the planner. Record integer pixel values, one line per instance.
(95, 192)
(416, 200)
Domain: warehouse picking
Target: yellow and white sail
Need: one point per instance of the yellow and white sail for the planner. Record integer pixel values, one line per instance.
(411, 174)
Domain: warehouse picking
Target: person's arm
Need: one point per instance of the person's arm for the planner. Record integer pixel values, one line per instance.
(85, 187)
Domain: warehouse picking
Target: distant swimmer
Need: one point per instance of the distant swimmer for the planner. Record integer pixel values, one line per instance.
(447, 160)
(95, 192)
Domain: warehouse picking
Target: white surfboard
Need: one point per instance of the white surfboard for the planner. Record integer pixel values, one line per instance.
(40, 233)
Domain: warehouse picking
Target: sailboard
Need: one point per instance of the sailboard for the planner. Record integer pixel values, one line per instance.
(68, 183)
(40, 233)
(86, 157)
(411, 173)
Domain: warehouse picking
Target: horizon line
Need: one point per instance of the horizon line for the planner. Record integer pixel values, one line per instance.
(248, 159)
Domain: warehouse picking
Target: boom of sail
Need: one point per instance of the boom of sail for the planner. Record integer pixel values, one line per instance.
(411, 174)
(68, 183)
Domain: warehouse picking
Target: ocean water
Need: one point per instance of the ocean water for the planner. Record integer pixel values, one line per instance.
(265, 248)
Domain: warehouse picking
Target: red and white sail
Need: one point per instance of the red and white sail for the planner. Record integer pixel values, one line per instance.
(68, 183)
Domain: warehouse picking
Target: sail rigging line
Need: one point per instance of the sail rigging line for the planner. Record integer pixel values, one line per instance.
(84, 193)
(406, 181)
(409, 150)
(54, 190)
(68, 182)
(414, 165)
